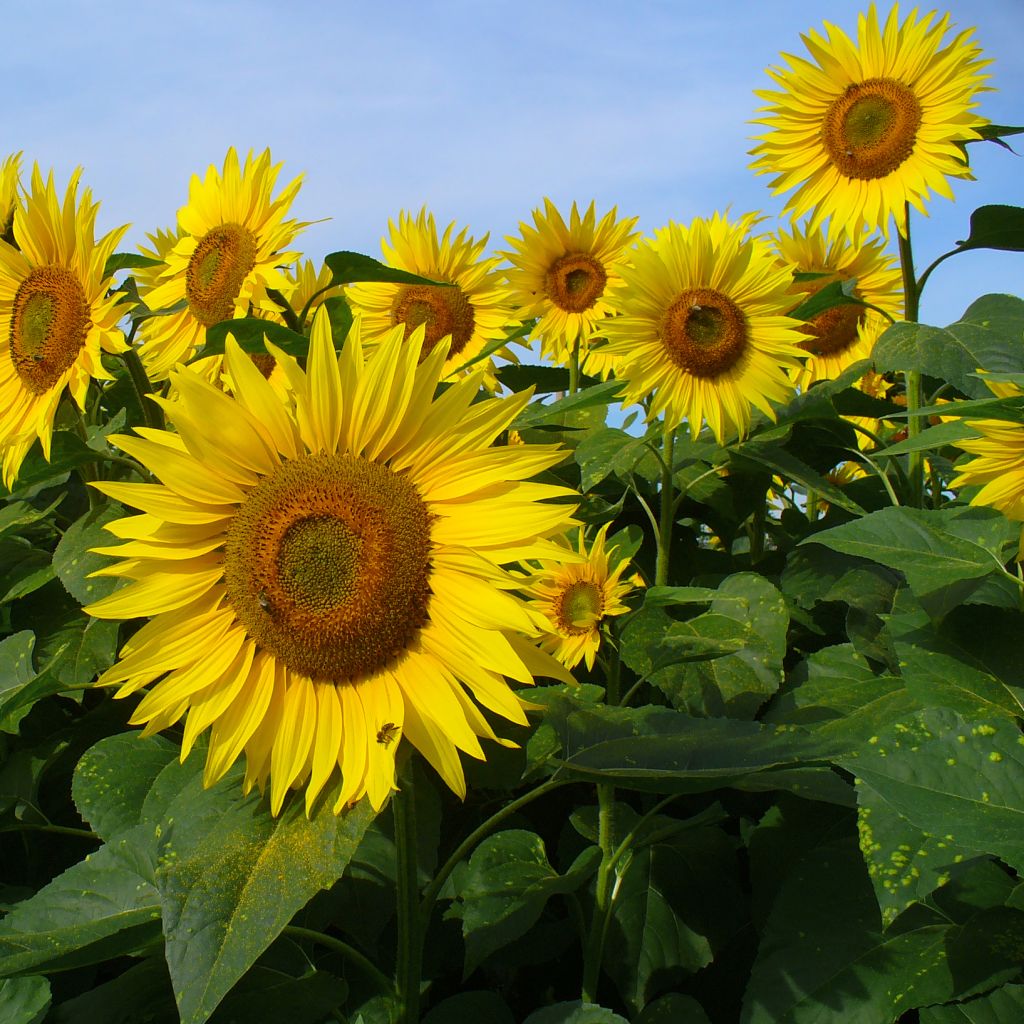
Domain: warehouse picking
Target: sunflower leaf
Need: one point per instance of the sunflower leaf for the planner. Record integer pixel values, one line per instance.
(250, 332)
(1005, 1004)
(836, 293)
(128, 261)
(996, 227)
(352, 267)
(24, 1000)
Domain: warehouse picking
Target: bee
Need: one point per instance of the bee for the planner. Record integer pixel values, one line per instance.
(387, 733)
(264, 601)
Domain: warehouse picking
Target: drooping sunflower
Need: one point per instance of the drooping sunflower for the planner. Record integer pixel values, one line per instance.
(327, 579)
(475, 312)
(576, 597)
(10, 184)
(54, 311)
(562, 272)
(841, 335)
(861, 129)
(703, 329)
(230, 240)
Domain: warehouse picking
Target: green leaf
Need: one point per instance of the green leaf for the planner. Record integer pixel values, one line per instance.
(940, 569)
(351, 267)
(128, 261)
(15, 515)
(836, 293)
(75, 647)
(575, 1012)
(996, 133)
(1004, 1005)
(504, 891)
(15, 671)
(114, 777)
(73, 561)
(610, 451)
(673, 1009)
(536, 415)
(140, 995)
(545, 380)
(25, 568)
(958, 780)
(996, 227)
(250, 333)
(931, 438)
(339, 314)
(482, 1007)
(103, 907)
(24, 1000)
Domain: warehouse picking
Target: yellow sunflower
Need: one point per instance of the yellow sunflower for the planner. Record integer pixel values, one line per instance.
(702, 329)
(474, 313)
(307, 284)
(864, 128)
(327, 578)
(10, 185)
(229, 243)
(561, 274)
(55, 311)
(576, 597)
(841, 335)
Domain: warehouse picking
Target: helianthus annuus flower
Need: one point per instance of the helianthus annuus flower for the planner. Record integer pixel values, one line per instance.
(326, 579)
(474, 310)
(230, 240)
(864, 128)
(307, 284)
(10, 183)
(561, 273)
(576, 597)
(55, 311)
(841, 335)
(703, 330)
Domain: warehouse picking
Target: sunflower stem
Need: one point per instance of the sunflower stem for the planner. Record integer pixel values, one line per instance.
(143, 387)
(574, 367)
(288, 314)
(87, 471)
(344, 950)
(409, 961)
(603, 894)
(667, 518)
(912, 297)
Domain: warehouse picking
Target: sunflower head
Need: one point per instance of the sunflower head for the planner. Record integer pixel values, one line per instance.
(577, 597)
(702, 329)
(561, 273)
(863, 128)
(842, 335)
(231, 238)
(325, 578)
(472, 308)
(55, 314)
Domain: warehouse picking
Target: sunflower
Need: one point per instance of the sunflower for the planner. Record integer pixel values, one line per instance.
(327, 578)
(562, 273)
(841, 335)
(475, 312)
(55, 311)
(306, 284)
(576, 597)
(864, 129)
(10, 185)
(702, 329)
(227, 248)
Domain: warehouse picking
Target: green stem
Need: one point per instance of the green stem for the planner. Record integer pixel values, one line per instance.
(409, 963)
(613, 689)
(667, 519)
(911, 295)
(603, 894)
(57, 830)
(143, 387)
(88, 470)
(288, 314)
(347, 952)
(574, 367)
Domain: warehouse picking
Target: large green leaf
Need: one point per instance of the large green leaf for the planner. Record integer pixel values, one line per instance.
(674, 1008)
(74, 561)
(1003, 1006)
(15, 671)
(350, 267)
(609, 451)
(24, 1000)
(502, 895)
(960, 780)
(554, 413)
(996, 227)
(251, 333)
(575, 1013)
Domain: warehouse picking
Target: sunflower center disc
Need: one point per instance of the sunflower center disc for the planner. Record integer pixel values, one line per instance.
(833, 331)
(871, 129)
(442, 311)
(574, 282)
(327, 565)
(704, 332)
(49, 323)
(580, 608)
(217, 270)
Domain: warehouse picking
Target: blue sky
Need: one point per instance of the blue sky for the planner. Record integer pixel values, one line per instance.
(476, 109)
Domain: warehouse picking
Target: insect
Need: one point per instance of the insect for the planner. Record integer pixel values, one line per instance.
(264, 601)
(386, 733)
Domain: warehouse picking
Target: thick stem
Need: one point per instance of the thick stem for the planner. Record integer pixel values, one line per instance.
(574, 367)
(667, 519)
(911, 295)
(409, 963)
(143, 387)
(603, 893)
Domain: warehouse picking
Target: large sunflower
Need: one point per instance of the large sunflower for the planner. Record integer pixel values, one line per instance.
(326, 579)
(576, 598)
(863, 129)
(55, 313)
(474, 313)
(703, 330)
(841, 335)
(229, 243)
(561, 274)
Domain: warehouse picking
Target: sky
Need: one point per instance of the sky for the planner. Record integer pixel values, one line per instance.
(477, 110)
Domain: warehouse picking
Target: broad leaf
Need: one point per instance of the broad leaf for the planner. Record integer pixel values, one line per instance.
(350, 267)
(996, 227)
(575, 1013)
(24, 1000)
(251, 334)
(74, 561)
(1004, 1005)
(537, 415)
